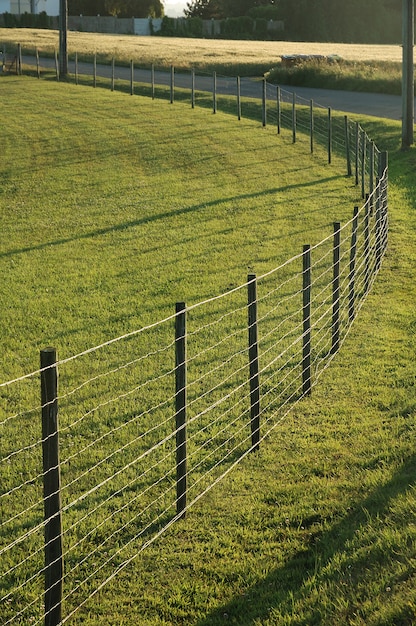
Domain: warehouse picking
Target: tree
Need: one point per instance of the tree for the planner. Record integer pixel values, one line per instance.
(120, 8)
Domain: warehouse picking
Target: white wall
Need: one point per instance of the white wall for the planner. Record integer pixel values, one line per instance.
(142, 26)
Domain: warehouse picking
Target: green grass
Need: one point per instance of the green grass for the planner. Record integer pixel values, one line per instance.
(118, 206)
(368, 76)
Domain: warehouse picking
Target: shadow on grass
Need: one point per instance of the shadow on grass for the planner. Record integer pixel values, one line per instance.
(165, 215)
(290, 584)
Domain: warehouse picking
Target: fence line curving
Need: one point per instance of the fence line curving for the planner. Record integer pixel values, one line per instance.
(94, 469)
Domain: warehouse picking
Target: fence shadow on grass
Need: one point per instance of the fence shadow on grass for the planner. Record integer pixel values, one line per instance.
(288, 585)
(165, 215)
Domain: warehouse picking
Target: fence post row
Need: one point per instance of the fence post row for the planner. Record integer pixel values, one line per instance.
(306, 348)
(51, 488)
(180, 409)
(253, 355)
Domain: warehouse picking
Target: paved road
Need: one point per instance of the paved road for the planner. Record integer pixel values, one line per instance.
(379, 105)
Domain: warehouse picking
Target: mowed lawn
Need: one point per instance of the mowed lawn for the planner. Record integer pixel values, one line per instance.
(114, 207)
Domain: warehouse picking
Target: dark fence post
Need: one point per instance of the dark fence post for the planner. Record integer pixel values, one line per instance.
(353, 254)
(172, 84)
(347, 145)
(264, 103)
(311, 124)
(306, 351)
(253, 355)
(357, 153)
(19, 60)
(329, 135)
(372, 157)
(367, 246)
(76, 68)
(238, 98)
(193, 88)
(113, 71)
(94, 79)
(383, 178)
(279, 109)
(294, 117)
(335, 287)
(180, 407)
(131, 77)
(51, 488)
(37, 64)
(152, 80)
(363, 159)
(214, 92)
(56, 65)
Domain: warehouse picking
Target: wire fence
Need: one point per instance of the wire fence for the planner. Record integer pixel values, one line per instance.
(167, 411)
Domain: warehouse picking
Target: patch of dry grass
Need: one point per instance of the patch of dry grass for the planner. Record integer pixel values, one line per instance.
(185, 53)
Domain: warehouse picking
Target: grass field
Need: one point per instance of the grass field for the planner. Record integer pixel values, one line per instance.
(115, 207)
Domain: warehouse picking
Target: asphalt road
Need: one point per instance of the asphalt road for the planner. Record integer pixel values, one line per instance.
(378, 105)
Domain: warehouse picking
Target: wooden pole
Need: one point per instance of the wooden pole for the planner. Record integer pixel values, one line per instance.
(335, 287)
(329, 135)
(347, 145)
(51, 488)
(131, 77)
(279, 110)
(214, 92)
(253, 355)
(264, 103)
(353, 254)
(193, 88)
(306, 351)
(172, 84)
(180, 406)
(294, 117)
(311, 124)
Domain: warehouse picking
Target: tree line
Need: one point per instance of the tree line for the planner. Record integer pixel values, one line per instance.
(117, 8)
(364, 21)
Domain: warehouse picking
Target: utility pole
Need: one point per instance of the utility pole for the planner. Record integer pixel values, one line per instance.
(63, 37)
(408, 82)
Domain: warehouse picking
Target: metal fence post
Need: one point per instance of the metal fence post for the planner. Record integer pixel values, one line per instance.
(253, 355)
(180, 408)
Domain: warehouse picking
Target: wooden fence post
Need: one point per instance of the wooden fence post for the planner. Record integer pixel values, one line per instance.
(363, 160)
(294, 117)
(180, 407)
(253, 355)
(113, 72)
(37, 63)
(172, 84)
(214, 92)
(264, 103)
(357, 153)
(131, 77)
(329, 135)
(19, 60)
(306, 349)
(76, 68)
(51, 488)
(335, 288)
(238, 98)
(311, 124)
(56, 65)
(152, 79)
(347, 145)
(353, 254)
(279, 109)
(94, 70)
(367, 246)
(193, 88)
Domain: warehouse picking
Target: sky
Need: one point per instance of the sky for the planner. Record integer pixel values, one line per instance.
(174, 8)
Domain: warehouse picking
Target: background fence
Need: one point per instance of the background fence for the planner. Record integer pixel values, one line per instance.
(167, 411)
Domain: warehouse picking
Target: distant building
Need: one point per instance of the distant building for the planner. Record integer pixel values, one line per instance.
(17, 7)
